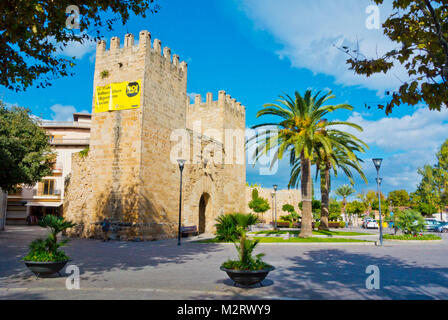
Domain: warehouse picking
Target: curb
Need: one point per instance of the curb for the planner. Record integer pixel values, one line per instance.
(306, 243)
(414, 241)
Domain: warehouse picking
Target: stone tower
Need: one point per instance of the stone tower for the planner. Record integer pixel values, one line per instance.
(129, 175)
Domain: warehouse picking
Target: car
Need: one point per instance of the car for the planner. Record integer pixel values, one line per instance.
(371, 224)
(442, 227)
(431, 224)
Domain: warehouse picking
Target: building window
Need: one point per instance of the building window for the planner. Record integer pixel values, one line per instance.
(48, 187)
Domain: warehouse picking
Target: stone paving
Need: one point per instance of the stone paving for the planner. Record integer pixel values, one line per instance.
(162, 270)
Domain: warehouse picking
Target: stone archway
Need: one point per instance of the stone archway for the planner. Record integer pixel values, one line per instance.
(203, 206)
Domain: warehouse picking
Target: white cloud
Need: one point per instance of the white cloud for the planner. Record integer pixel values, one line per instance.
(424, 129)
(62, 113)
(408, 143)
(78, 50)
(308, 30)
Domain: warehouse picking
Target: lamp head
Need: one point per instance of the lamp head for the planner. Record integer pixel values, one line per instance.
(181, 163)
(377, 163)
(275, 187)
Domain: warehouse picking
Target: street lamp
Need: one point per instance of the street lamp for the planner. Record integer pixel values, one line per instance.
(272, 210)
(181, 168)
(275, 205)
(377, 163)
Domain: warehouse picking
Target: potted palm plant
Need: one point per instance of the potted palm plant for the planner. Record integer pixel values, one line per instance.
(248, 270)
(44, 256)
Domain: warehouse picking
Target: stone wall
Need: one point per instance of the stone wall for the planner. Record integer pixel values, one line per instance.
(78, 198)
(292, 197)
(133, 176)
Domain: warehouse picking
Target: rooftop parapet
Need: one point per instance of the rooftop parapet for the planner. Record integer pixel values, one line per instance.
(144, 43)
(224, 100)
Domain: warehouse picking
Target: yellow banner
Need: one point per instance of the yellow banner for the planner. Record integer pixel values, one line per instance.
(118, 96)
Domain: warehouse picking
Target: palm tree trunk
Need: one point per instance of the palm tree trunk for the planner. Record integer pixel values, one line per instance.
(344, 208)
(307, 214)
(325, 198)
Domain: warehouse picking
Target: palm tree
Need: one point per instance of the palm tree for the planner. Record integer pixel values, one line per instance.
(302, 127)
(341, 156)
(344, 191)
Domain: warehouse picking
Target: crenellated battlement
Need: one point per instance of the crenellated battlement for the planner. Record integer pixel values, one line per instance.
(144, 45)
(224, 101)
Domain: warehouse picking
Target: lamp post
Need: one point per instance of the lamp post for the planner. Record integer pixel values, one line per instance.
(181, 168)
(377, 163)
(275, 205)
(272, 210)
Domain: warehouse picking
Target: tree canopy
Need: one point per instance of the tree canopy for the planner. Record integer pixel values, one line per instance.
(32, 32)
(420, 30)
(398, 198)
(302, 126)
(25, 154)
(433, 187)
(258, 204)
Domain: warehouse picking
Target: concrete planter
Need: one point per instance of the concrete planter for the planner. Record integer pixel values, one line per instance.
(247, 278)
(45, 268)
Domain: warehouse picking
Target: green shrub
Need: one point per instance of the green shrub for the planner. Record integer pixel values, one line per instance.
(412, 237)
(291, 219)
(246, 261)
(227, 225)
(45, 250)
(410, 222)
(258, 204)
(342, 224)
(84, 152)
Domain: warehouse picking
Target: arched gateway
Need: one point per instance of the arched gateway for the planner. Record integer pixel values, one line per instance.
(203, 202)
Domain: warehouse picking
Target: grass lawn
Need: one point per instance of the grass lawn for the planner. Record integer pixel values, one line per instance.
(316, 233)
(291, 240)
(411, 237)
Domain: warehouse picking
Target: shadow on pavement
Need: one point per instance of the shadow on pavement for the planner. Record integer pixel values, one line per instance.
(337, 274)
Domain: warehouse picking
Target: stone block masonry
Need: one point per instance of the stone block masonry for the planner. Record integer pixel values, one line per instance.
(129, 176)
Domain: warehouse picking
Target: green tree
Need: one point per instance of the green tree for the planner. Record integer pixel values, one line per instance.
(356, 207)
(399, 198)
(32, 33)
(335, 210)
(288, 208)
(258, 204)
(420, 30)
(341, 156)
(25, 154)
(410, 222)
(431, 186)
(302, 126)
(344, 191)
(368, 198)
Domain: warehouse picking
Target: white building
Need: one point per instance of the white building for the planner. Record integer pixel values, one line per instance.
(47, 196)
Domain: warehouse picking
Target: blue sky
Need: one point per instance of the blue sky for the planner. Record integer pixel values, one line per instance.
(258, 49)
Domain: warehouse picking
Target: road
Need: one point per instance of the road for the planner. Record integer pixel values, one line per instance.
(162, 270)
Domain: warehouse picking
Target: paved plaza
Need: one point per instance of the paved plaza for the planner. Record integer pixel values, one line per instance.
(162, 270)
